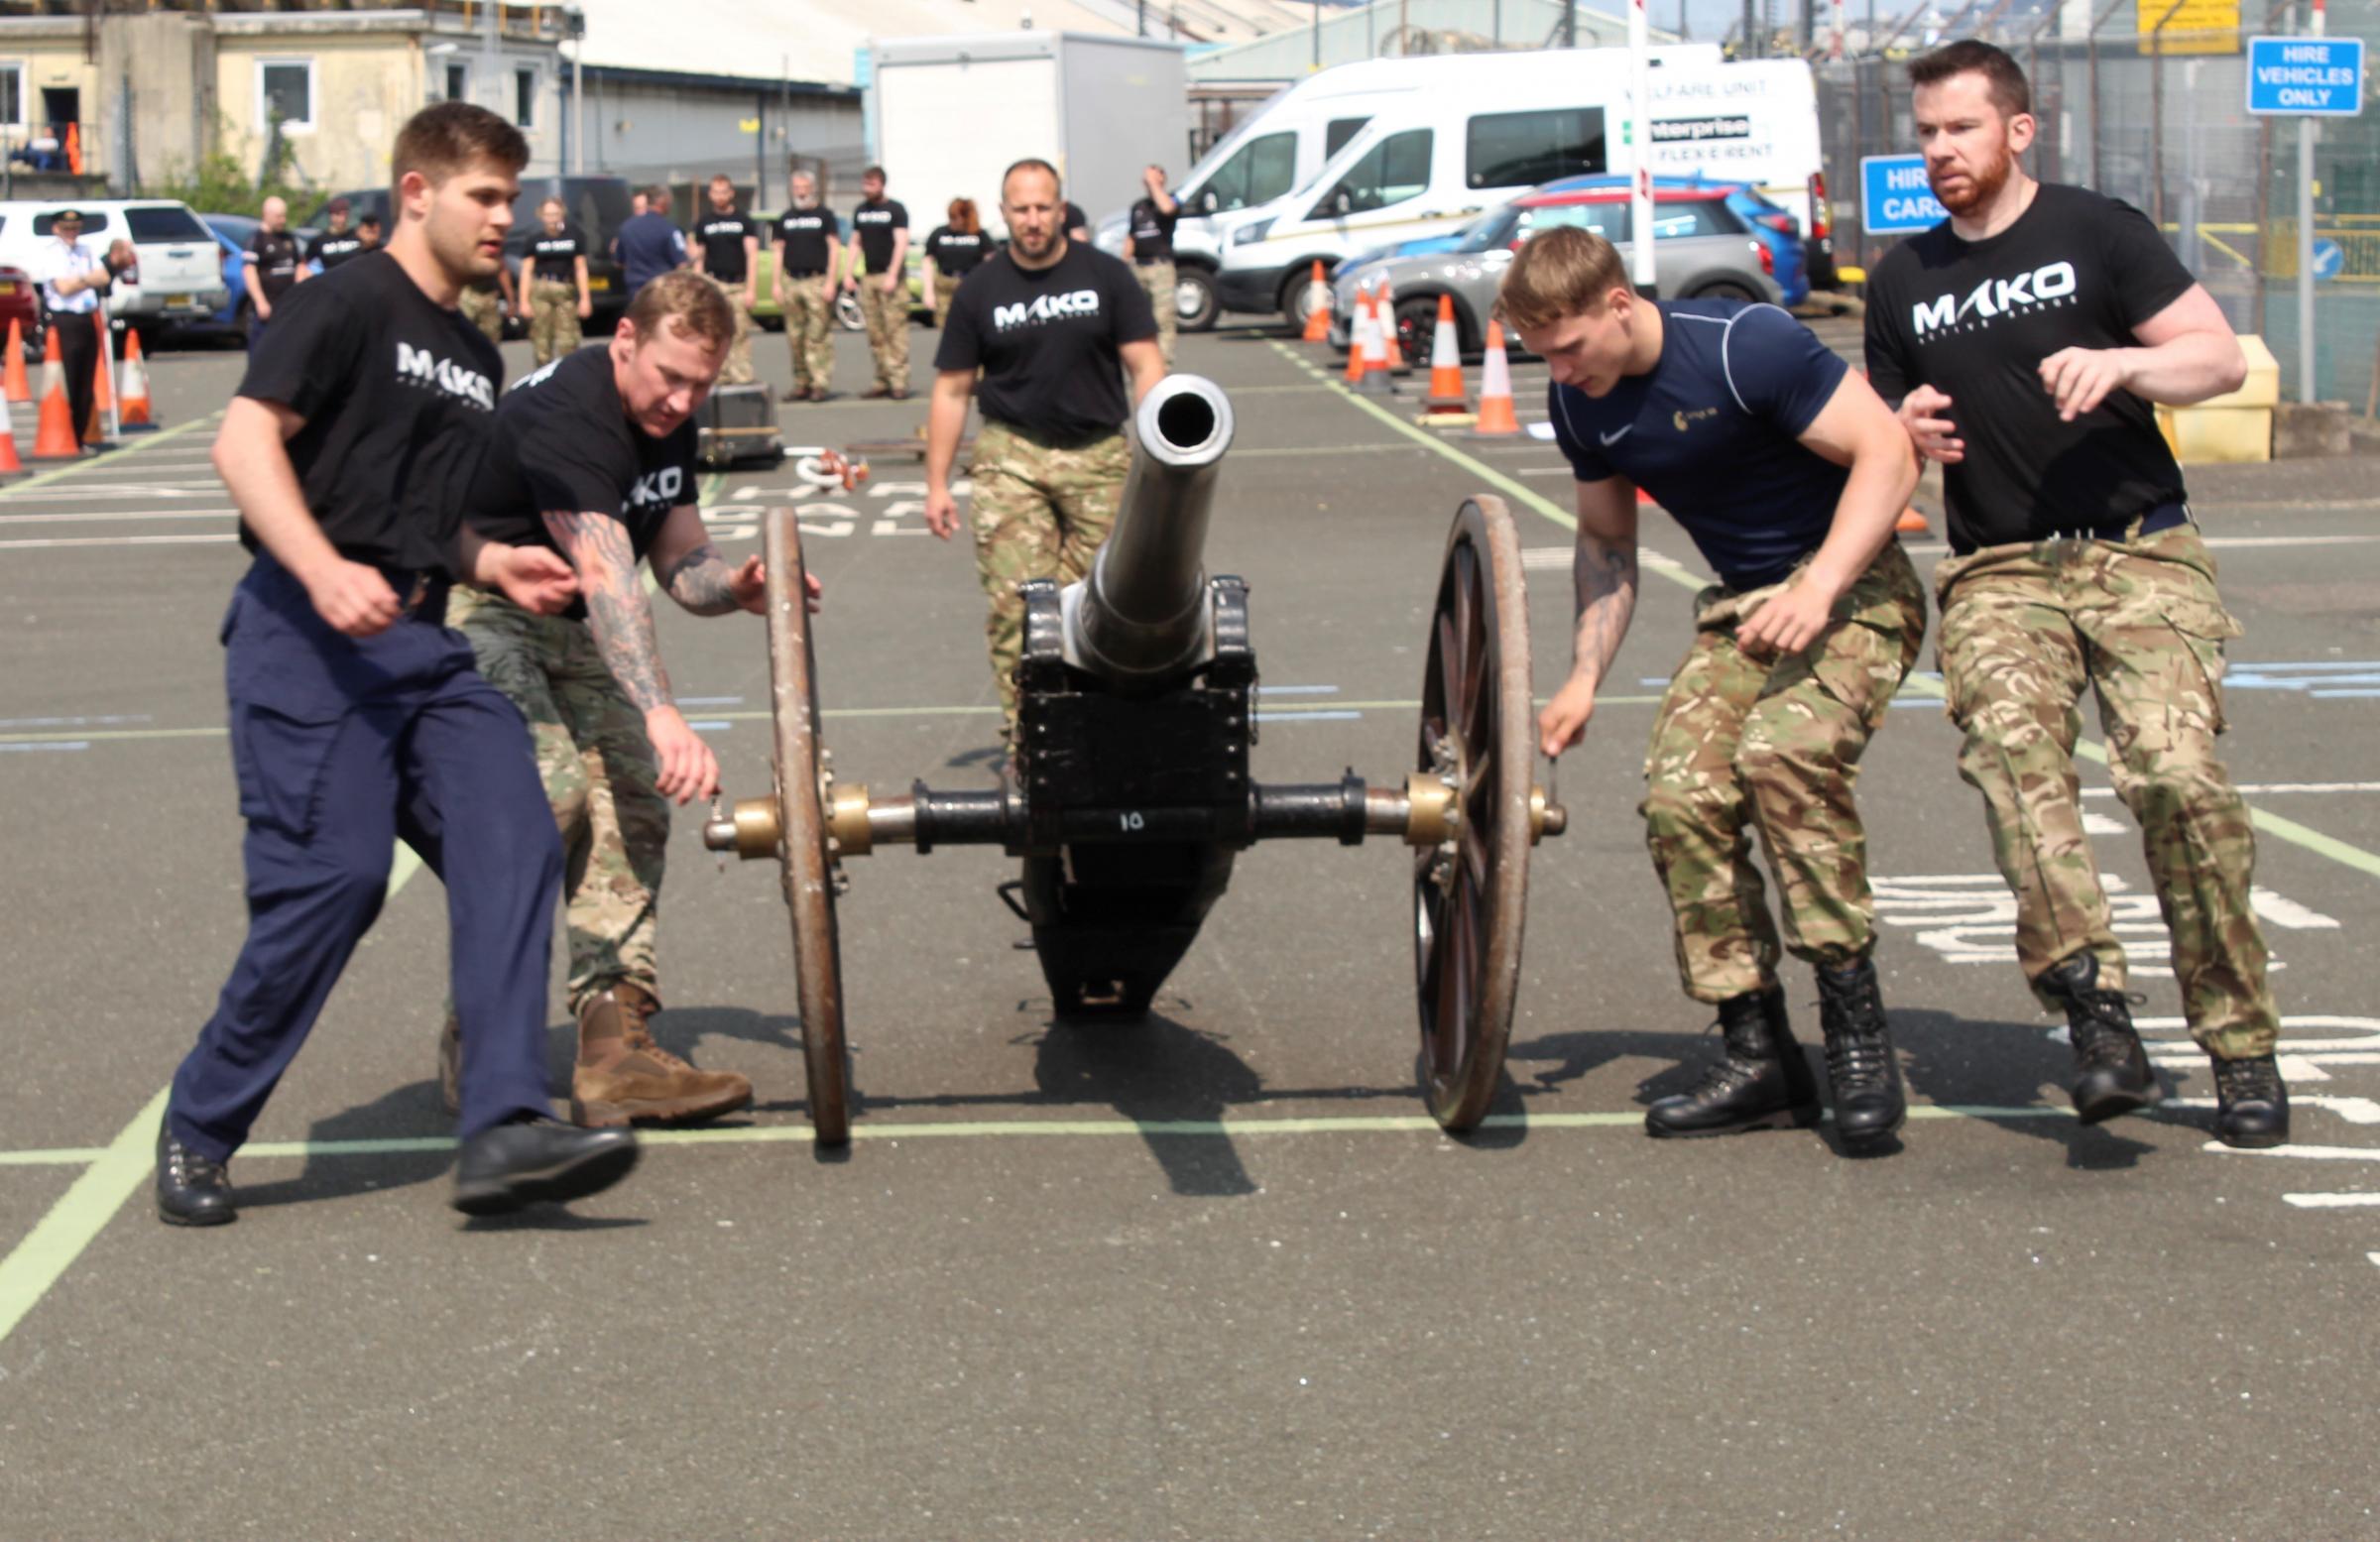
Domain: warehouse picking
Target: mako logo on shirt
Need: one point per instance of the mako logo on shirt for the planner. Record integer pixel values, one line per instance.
(418, 366)
(1045, 308)
(661, 489)
(2049, 285)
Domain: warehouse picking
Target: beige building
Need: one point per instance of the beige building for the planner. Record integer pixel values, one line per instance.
(142, 98)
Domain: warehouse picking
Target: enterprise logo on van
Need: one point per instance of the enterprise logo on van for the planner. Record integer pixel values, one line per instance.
(1045, 308)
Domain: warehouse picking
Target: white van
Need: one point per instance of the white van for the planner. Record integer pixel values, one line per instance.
(1284, 144)
(181, 274)
(1434, 159)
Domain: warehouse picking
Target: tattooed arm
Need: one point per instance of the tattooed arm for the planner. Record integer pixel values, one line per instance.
(597, 545)
(696, 576)
(1604, 567)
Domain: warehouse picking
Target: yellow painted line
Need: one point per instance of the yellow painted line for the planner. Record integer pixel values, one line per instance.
(109, 461)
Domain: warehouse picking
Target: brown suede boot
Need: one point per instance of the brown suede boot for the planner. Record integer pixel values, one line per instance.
(622, 1077)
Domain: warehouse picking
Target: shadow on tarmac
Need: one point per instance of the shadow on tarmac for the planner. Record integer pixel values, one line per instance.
(397, 1114)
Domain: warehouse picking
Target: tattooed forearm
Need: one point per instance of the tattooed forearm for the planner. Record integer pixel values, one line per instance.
(698, 580)
(1605, 573)
(598, 547)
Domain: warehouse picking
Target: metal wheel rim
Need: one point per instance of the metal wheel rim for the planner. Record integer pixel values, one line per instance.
(809, 868)
(1476, 700)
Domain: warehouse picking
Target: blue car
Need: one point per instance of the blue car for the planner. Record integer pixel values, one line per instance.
(1772, 222)
(232, 233)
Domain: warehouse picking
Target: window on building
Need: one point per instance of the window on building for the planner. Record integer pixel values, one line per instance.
(525, 96)
(284, 93)
(12, 96)
(458, 82)
(1523, 149)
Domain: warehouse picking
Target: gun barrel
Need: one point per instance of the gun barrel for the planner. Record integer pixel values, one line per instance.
(1141, 614)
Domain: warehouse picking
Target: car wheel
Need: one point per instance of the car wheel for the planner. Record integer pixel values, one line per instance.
(1417, 330)
(1194, 304)
(1294, 293)
(243, 323)
(1725, 289)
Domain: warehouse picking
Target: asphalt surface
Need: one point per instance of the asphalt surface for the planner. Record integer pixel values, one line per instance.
(1215, 1275)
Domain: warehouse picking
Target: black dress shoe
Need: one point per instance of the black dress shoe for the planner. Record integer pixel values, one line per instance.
(192, 1190)
(2251, 1103)
(531, 1160)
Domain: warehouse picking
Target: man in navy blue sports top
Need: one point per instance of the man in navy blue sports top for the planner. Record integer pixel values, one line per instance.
(1783, 467)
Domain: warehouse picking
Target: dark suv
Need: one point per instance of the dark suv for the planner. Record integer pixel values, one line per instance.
(598, 206)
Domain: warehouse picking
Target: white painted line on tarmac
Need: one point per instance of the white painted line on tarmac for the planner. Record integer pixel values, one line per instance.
(121, 540)
(114, 516)
(2330, 1201)
(2309, 1153)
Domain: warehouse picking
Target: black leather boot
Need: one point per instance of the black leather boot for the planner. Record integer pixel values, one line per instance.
(2113, 1074)
(2251, 1103)
(531, 1160)
(1759, 1082)
(192, 1190)
(1861, 1071)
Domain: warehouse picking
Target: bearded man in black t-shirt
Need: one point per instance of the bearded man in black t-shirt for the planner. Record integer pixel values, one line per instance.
(1052, 324)
(727, 247)
(595, 456)
(2024, 340)
(357, 719)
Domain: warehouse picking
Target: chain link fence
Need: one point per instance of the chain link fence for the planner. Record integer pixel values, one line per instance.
(2142, 100)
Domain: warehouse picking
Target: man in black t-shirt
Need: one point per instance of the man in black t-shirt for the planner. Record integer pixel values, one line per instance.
(276, 265)
(356, 717)
(2023, 340)
(1053, 326)
(953, 250)
(1148, 243)
(880, 230)
(557, 280)
(808, 251)
(727, 247)
(336, 243)
(595, 456)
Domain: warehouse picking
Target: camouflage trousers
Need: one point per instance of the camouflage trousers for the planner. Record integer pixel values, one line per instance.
(552, 319)
(598, 770)
(811, 330)
(1745, 743)
(483, 308)
(1037, 513)
(2026, 630)
(946, 290)
(1158, 279)
(737, 371)
(887, 331)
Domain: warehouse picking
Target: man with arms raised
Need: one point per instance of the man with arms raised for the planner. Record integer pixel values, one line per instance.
(2024, 339)
(1788, 472)
(356, 716)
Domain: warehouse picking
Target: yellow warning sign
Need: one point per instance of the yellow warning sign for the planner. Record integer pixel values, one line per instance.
(2194, 27)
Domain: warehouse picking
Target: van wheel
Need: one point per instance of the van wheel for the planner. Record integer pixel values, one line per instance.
(1194, 303)
(1294, 294)
(1725, 289)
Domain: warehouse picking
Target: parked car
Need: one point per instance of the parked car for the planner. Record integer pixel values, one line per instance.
(178, 276)
(20, 303)
(1702, 250)
(232, 233)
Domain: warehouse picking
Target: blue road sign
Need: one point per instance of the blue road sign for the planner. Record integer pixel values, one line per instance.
(1894, 198)
(2330, 259)
(2320, 77)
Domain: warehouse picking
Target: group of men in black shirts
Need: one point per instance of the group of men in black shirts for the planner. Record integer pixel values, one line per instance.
(277, 261)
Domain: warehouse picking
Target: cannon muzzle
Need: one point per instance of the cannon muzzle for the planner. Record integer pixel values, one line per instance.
(1141, 617)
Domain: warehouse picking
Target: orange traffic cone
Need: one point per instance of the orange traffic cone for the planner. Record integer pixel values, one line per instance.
(1318, 306)
(1497, 420)
(1398, 364)
(1446, 404)
(1911, 522)
(56, 438)
(1374, 380)
(132, 410)
(103, 390)
(1358, 328)
(9, 464)
(13, 384)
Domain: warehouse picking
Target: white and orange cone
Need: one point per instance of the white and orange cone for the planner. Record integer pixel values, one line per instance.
(1446, 404)
(134, 413)
(1374, 380)
(1318, 306)
(56, 438)
(1497, 419)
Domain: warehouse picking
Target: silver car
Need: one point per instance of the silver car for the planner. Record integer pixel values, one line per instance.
(1702, 251)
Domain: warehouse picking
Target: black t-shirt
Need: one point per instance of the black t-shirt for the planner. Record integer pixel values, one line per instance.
(332, 249)
(1048, 341)
(563, 443)
(955, 254)
(1153, 232)
(1974, 320)
(398, 393)
(722, 237)
(554, 258)
(276, 254)
(872, 225)
(806, 233)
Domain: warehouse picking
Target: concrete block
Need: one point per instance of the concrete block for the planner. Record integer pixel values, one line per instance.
(2304, 430)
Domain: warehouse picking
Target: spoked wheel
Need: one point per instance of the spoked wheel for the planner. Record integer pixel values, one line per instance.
(1477, 743)
(810, 873)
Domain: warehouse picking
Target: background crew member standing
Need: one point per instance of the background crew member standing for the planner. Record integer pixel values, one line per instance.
(1788, 472)
(953, 251)
(2077, 566)
(275, 266)
(808, 250)
(595, 457)
(879, 229)
(485, 302)
(557, 284)
(356, 717)
(1148, 242)
(727, 246)
(74, 281)
(1049, 464)
(650, 244)
(337, 243)
(368, 232)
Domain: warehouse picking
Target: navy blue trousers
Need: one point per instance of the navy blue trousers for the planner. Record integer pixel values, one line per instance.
(342, 745)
